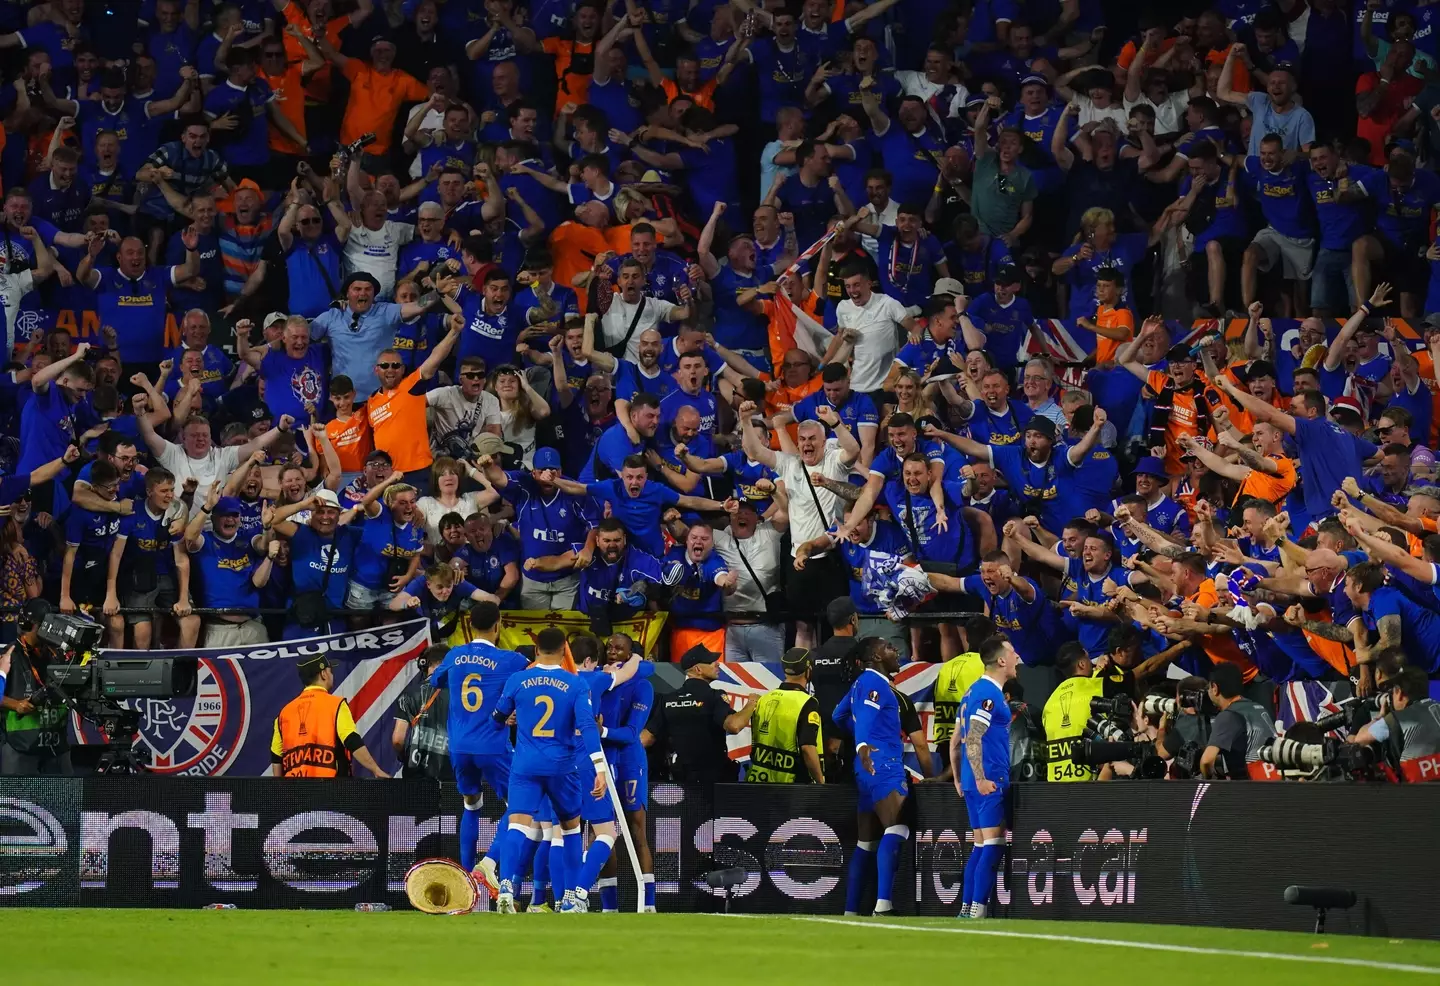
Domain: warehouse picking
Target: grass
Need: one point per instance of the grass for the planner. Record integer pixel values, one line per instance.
(277, 948)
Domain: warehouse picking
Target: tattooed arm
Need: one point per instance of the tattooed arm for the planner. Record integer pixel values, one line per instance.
(848, 492)
(973, 736)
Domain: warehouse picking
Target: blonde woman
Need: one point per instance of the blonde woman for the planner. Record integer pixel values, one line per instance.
(1098, 246)
(446, 475)
(908, 396)
(520, 409)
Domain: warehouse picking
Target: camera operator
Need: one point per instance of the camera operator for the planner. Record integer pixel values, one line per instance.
(422, 737)
(35, 740)
(1240, 729)
(1184, 730)
(1067, 710)
(1408, 733)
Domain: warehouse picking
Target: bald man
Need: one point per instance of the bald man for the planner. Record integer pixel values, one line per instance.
(131, 296)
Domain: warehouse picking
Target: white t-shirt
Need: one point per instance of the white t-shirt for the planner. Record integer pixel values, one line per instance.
(805, 523)
(434, 120)
(1169, 115)
(616, 323)
(762, 551)
(377, 252)
(432, 510)
(215, 467)
(13, 287)
(885, 217)
(879, 325)
(1090, 113)
(915, 84)
(453, 417)
(522, 438)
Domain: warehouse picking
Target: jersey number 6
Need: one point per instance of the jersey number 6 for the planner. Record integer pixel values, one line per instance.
(471, 695)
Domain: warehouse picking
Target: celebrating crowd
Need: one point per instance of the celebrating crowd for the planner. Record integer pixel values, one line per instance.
(731, 311)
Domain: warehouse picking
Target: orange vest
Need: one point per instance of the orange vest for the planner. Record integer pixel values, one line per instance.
(309, 740)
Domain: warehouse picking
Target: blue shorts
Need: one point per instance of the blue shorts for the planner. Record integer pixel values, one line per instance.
(593, 810)
(472, 768)
(630, 773)
(986, 811)
(529, 793)
(876, 787)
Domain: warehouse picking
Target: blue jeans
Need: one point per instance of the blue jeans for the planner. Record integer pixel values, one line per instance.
(1331, 286)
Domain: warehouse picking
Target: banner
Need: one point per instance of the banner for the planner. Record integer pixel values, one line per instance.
(226, 727)
(518, 627)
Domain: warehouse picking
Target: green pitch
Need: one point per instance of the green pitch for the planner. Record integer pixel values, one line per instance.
(315, 948)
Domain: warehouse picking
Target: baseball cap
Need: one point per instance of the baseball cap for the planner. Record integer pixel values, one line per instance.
(312, 666)
(1034, 80)
(699, 654)
(1179, 353)
(1151, 466)
(227, 506)
(1041, 425)
(546, 458)
(488, 443)
(274, 317)
(1008, 274)
(327, 498)
(796, 660)
(947, 286)
(256, 413)
(1259, 368)
(381, 38)
(1347, 404)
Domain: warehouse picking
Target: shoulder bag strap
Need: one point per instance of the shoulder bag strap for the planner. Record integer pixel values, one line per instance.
(910, 530)
(759, 586)
(329, 283)
(805, 471)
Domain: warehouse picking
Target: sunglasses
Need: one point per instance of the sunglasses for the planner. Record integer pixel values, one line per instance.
(310, 222)
(390, 365)
(471, 375)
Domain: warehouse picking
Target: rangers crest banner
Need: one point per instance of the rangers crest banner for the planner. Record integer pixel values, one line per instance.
(226, 727)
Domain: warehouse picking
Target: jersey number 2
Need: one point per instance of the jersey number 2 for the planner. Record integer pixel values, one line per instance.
(549, 704)
(471, 696)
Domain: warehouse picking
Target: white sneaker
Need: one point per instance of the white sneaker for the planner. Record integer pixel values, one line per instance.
(977, 911)
(487, 875)
(649, 909)
(505, 901)
(576, 904)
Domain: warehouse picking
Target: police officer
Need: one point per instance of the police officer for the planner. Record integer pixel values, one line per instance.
(422, 738)
(1410, 731)
(1068, 710)
(34, 740)
(952, 681)
(689, 724)
(1240, 729)
(784, 726)
(835, 665)
(315, 735)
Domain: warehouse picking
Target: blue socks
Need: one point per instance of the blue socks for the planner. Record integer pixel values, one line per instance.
(469, 837)
(560, 877)
(542, 873)
(649, 884)
(518, 853)
(574, 849)
(595, 859)
(610, 894)
(988, 859)
(886, 859)
(855, 882)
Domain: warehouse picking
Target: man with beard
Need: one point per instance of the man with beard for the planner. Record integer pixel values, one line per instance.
(615, 581)
(624, 438)
(638, 503)
(464, 411)
(642, 375)
(230, 569)
(363, 327)
(191, 164)
(554, 527)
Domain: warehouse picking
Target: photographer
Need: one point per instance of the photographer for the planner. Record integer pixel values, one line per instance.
(421, 737)
(1409, 732)
(34, 740)
(1068, 710)
(1240, 729)
(1184, 729)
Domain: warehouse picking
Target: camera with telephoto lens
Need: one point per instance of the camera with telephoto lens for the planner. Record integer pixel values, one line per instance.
(1157, 707)
(1330, 759)
(1107, 739)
